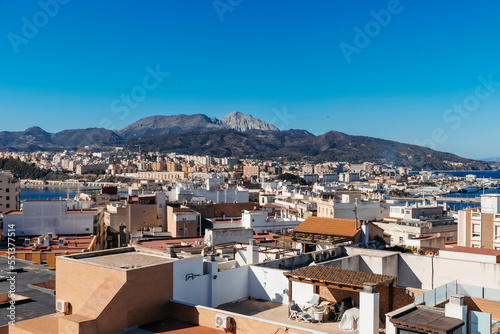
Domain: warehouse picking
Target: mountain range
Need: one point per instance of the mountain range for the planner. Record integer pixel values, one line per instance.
(238, 135)
(160, 125)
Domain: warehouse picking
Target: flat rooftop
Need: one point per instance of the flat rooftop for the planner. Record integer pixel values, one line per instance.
(126, 259)
(42, 302)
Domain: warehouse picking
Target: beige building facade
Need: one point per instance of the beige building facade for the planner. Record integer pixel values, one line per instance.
(480, 228)
(10, 192)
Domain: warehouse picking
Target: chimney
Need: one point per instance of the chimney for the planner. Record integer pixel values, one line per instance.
(365, 233)
(455, 308)
(252, 256)
(356, 211)
(369, 309)
(171, 251)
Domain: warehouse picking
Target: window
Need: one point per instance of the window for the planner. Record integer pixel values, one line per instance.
(497, 232)
(7, 205)
(7, 190)
(476, 230)
(7, 198)
(400, 240)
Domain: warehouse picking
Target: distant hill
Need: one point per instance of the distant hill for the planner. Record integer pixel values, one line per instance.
(26, 170)
(36, 138)
(298, 144)
(160, 125)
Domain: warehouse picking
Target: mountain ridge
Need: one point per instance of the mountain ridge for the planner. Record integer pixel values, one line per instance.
(237, 135)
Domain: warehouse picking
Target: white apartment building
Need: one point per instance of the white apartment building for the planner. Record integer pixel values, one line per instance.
(348, 203)
(259, 221)
(44, 217)
(407, 222)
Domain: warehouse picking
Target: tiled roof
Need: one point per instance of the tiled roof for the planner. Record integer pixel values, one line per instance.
(427, 320)
(329, 226)
(338, 276)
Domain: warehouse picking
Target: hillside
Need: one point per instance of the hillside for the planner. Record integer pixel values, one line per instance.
(28, 171)
(297, 144)
(35, 138)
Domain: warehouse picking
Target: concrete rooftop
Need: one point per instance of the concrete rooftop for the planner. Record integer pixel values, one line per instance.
(42, 303)
(125, 259)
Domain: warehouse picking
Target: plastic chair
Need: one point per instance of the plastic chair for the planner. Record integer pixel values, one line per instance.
(314, 300)
(297, 313)
(295, 310)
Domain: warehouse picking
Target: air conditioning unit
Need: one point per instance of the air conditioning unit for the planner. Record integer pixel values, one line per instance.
(62, 306)
(223, 321)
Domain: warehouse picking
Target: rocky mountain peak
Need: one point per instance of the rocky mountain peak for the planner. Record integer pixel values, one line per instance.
(242, 122)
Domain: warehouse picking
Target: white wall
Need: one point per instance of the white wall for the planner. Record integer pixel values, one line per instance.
(466, 272)
(226, 195)
(348, 262)
(302, 292)
(268, 284)
(419, 271)
(232, 285)
(375, 261)
(194, 291)
(43, 217)
(219, 236)
(366, 211)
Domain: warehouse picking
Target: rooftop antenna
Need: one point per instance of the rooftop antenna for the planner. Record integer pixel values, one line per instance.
(356, 211)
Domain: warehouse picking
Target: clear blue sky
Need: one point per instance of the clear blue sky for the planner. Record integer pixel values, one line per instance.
(261, 58)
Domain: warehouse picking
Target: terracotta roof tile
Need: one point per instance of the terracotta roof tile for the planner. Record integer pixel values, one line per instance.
(330, 226)
(338, 276)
